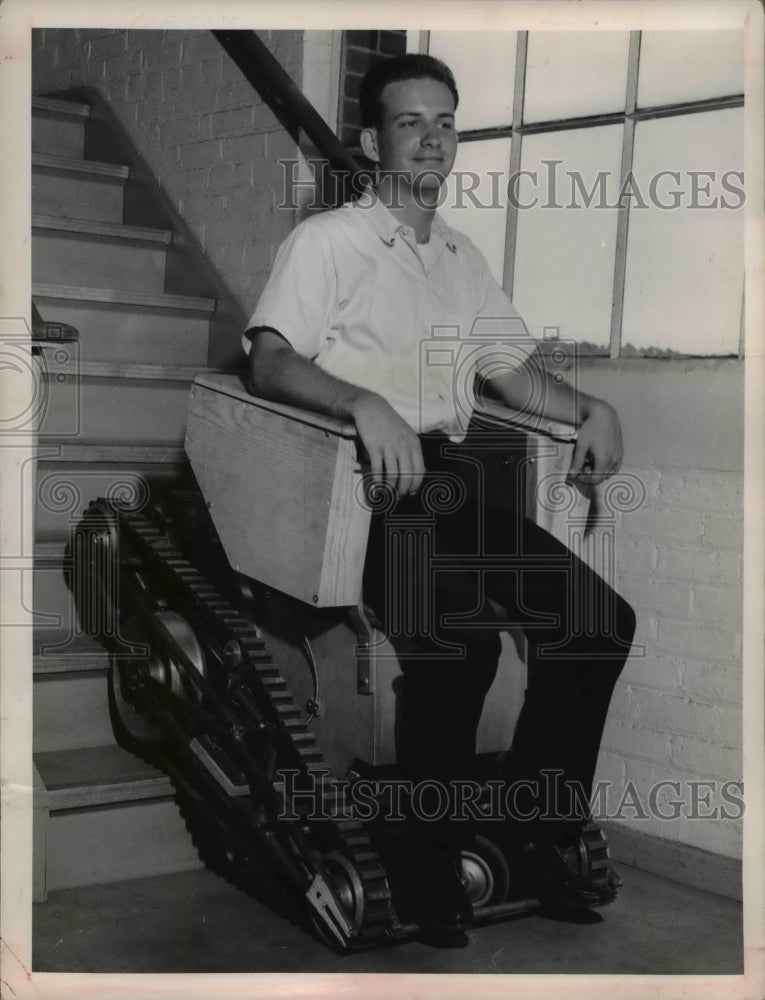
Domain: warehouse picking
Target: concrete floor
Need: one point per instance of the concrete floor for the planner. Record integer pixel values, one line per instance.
(196, 922)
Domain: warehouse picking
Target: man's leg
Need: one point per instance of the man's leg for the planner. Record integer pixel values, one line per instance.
(447, 671)
(579, 633)
(446, 675)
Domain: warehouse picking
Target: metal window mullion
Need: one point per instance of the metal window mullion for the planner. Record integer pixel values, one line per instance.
(623, 219)
(605, 118)
(516, 146)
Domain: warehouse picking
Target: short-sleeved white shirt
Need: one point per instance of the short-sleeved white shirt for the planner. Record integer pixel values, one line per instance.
(350, 290)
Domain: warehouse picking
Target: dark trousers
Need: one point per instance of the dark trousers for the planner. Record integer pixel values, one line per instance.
(434, 563)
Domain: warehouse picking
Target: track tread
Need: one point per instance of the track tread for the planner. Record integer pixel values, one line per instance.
(211, 607)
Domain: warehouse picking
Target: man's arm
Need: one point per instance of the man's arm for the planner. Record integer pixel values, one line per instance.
(279, 373)
(598, 450)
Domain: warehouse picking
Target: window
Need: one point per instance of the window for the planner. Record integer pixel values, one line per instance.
(638, 247)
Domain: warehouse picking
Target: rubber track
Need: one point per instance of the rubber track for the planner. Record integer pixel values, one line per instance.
(154, 548)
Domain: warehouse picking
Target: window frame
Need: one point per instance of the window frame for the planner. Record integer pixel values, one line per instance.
(632, 114)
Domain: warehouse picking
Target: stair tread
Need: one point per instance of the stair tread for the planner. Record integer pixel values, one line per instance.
(51, 547)
(92, 768)
(61, 647)
(111, 230)
(130, 298)
(59, 106)
(108, 453)
(72, 165)
(131, 370)
(70, 663)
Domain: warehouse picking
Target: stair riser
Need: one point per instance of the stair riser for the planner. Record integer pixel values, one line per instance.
(75, 259)
(54, 606)
(132, 840)
(130, 333)
(57, 136)
(77, 196)
(63, 493)
(94, 409)
(55, 612)
(71, 711)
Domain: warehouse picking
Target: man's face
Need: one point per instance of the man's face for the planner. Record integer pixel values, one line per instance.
(416, 137)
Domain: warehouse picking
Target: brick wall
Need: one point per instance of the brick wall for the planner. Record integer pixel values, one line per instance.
(361, 51)
(202, 129)
(676, 712)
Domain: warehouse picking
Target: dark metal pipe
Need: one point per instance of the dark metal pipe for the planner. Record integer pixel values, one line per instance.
(284, 97)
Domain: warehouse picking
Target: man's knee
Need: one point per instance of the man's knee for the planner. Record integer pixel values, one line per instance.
(623, 622)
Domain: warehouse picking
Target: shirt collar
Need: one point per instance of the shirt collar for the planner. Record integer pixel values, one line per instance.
(387, 226)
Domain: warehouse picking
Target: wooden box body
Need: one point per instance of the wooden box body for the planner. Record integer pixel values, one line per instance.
(284, 488)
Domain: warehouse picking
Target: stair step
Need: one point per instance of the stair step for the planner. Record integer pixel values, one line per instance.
(49, 646)
(98, 776)
(126, 371)
(58, 127)
(73, 662)
(114, 296)
(112, 817)
(80, 189)
(60, 106)
(103, 409)
(82, 452)
(107, 230)
(64, 490)
(111, 255)
(71, 704)
(69, 165)
(127, 326)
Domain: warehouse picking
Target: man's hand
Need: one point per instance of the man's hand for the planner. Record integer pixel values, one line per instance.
(393, 447)
(598, 451)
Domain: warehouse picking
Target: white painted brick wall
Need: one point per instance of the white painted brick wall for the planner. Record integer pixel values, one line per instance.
(201, 128)
(676, 712)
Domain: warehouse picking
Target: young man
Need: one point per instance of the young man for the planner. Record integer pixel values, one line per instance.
(353, 296)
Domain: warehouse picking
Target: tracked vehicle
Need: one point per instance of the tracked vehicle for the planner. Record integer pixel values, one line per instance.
(245, 665)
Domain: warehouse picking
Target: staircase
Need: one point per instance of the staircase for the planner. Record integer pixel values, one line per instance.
(113, 424)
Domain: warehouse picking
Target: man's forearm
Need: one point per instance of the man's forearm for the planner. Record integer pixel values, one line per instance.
(534, 391)
(392, 448)
(283, 375)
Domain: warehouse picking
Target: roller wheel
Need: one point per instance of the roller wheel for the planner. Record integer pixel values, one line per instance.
(594, 858)
(344, 880)
(485, 873)
(152, 658)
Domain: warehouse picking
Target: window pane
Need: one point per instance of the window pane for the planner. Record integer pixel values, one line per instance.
(689, 66)
(685, 264)
(476, 57)
(570, 74)
(564, 264)
(475, 197)
(413, 41)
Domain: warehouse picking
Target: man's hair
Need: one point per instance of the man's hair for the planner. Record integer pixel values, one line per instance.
(412, 66)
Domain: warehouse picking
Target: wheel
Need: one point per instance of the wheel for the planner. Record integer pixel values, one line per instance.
(594, 856)
(485, 874)
(345, 882)
(154, 659)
